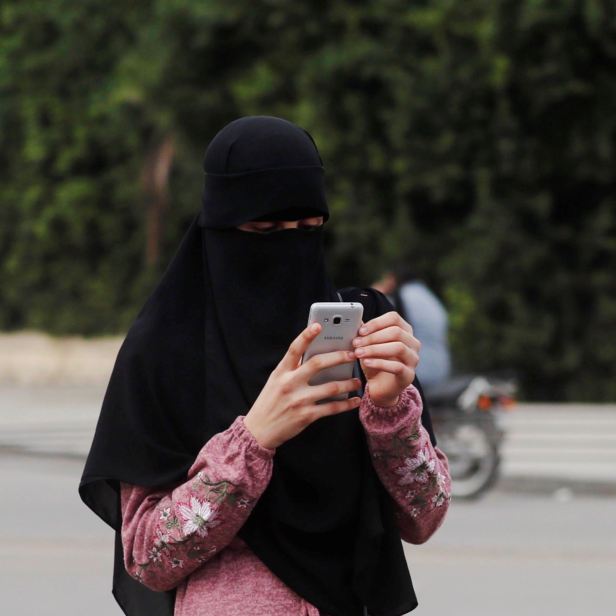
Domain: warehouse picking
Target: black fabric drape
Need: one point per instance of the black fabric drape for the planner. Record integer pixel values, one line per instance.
(197, 356)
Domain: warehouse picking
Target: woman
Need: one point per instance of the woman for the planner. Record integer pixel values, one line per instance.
(230, 490)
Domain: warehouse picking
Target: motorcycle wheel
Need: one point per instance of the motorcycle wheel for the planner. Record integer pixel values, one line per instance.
(474, 459)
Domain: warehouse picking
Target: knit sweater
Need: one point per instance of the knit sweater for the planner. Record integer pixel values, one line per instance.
(184, 535)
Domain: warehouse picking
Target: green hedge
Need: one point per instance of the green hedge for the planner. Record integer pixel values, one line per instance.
(475, 138)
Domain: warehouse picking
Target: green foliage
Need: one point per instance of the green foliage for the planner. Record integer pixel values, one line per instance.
(473, 137)
(71, 237)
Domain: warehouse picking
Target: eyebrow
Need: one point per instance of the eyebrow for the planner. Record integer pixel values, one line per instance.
(275, 222)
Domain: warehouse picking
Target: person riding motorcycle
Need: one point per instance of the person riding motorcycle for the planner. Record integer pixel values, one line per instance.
(414, 301)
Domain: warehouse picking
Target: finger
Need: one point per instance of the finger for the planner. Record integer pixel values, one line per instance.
(396, 368)
(323, 360)
(312, 393)
(389, 334)
(299, 346)
(335, 407)
(393, 350)
(385, 320)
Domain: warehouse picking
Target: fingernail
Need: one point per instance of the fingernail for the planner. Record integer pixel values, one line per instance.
(357, 341)
(363, 330)
(359, 352)
(351, 355)
(315, 328)
(368, 362)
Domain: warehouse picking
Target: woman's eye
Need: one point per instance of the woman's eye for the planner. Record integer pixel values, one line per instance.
(309, 227)
(265, 229)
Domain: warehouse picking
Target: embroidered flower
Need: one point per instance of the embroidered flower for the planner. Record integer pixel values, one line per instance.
(161, 540)
(416, 469)
(165, 513)
(439, 499)
(154, 554)
(177, 562)
(243, 503)
(440, 478)
(198, 517)
(415, 512)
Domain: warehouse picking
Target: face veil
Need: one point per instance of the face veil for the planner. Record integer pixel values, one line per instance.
(199, 353)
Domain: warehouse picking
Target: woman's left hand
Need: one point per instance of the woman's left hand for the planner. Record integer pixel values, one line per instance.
(388, 353)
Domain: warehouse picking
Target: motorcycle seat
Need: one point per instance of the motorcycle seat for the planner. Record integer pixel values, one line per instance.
(447, 392)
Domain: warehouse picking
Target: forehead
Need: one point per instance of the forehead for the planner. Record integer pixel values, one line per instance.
(289, 214)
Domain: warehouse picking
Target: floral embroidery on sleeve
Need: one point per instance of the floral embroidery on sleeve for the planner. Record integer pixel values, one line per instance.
(415, 468)
(223, 491)
(197, 517)
(415, 473)
(169, 531)
(184, 530)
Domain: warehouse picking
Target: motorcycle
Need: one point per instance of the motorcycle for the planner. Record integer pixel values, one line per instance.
(467, 413)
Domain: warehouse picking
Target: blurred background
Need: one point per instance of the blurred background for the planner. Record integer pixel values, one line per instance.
(472, 139)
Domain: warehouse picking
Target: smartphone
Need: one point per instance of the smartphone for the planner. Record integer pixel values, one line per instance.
(340, 322)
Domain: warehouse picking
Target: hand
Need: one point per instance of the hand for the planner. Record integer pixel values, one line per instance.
(287, 404)
(388, 353)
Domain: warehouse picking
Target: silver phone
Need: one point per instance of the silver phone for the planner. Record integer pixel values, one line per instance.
(340, 322)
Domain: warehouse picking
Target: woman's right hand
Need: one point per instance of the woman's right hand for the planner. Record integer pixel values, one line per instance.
(287, 404)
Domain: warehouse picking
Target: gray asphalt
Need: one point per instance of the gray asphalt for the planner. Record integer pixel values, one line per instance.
(56, 554)
(565, 441)
(506, 554)
(519, 554)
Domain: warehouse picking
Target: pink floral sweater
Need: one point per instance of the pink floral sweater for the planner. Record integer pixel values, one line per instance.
(185, 535)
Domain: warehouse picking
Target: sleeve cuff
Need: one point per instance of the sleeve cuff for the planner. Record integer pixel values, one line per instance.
(249, 441)
(378, 418)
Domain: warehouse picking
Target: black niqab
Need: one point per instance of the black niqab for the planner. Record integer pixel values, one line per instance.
(198, 355)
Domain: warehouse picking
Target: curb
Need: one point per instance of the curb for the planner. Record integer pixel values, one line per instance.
(567, 488)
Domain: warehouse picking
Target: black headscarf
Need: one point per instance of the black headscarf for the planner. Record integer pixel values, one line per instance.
(199, 353)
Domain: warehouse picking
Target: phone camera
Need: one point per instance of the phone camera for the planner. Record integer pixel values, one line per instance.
(337, 320)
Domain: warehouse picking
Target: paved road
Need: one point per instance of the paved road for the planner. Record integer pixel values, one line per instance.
(504, 556)
(56, 557)
(561, 441)
(57, 420)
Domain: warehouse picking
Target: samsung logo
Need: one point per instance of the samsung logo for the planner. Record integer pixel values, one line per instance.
(333, 337)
